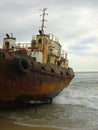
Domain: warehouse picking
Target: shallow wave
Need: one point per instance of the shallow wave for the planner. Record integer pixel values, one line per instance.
(82, 91)
(87, 98)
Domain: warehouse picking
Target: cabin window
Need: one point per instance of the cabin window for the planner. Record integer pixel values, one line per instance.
(58, 63)
(40, 41)
(7, 44)
(52, 70)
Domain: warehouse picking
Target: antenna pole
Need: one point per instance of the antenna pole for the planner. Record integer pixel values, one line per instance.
(43, 20)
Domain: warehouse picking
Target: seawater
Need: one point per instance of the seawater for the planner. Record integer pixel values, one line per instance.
(75, 108)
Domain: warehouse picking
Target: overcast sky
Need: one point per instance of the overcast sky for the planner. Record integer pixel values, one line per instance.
(74, 22)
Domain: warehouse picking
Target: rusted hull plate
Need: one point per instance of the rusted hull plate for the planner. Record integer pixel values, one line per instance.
(38, 84)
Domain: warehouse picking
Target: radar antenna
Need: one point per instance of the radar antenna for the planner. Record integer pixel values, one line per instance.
(43, 20)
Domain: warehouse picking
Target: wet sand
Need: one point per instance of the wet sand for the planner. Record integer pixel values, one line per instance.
(9, 124)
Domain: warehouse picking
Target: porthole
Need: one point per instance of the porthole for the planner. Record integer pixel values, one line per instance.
(52, 70)
(61, 72)
(67, 73)
(42, 67)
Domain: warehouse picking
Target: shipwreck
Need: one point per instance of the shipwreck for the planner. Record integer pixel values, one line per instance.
(36, 71)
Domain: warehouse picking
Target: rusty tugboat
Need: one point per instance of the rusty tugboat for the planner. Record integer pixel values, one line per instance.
(36, 71)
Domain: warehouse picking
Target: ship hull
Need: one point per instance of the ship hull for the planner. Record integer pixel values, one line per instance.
(33, 83)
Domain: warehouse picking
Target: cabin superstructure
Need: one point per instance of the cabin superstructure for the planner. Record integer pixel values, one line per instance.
(44, 48)
(9, 42)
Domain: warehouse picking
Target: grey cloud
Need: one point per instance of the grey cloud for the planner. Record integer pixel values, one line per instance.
(82, 48)
(68, 19)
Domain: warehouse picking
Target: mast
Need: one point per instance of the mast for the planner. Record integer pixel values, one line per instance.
(43, 20)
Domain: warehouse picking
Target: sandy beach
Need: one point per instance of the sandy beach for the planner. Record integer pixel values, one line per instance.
(9, 124)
